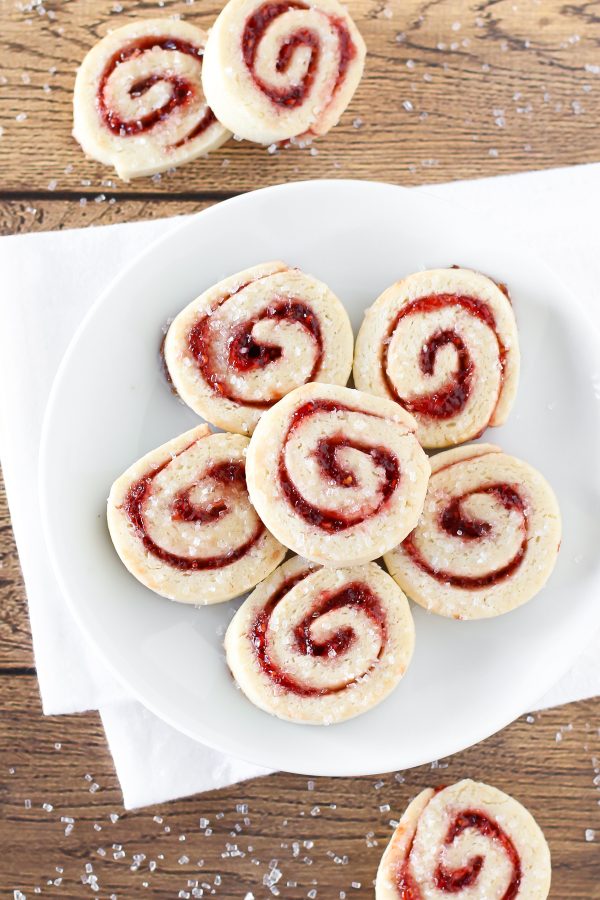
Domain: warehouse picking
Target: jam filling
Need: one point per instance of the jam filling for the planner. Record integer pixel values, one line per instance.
(181, 94)
(456, 523)
(294, 95)
(452, 881)
(230, 475)
(451, 398)
(245, 353)
(357, 595)
(326, 455)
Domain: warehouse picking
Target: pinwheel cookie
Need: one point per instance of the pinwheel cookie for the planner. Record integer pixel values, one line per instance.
(252, 338)
(468, 840)
(277, 70)
(321, 645)
(488, 537)
(139, 104)
(442, 343)
(182, 523)
(337, 475)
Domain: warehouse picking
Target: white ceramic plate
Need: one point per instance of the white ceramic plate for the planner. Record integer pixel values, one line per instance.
(110, 404)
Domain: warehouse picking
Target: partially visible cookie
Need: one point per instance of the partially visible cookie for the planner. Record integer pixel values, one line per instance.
(275, 71)
(469, 840)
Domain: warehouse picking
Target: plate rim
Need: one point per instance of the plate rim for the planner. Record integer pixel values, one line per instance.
(221, 742)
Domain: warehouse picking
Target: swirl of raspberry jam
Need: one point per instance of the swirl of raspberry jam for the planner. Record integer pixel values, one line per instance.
(455, 522)
(356, 595)
(294, 95)
(453, 881)
(451, 398)
(182, 91)
(326, 455)
(229, 475)
(245, 354)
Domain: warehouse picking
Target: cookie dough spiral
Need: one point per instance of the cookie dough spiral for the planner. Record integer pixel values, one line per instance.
(280, 69)
(337, 475)
(467, 840)
(252, 338)
(321, 645)
(487, 539)
(182, 522)
(138, 103)
(442, 343)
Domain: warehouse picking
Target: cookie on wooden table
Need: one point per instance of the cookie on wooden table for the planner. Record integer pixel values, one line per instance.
(139, 104)
(278, 70)
(467, 840)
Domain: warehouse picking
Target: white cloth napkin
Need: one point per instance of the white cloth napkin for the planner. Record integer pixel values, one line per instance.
(47, 283)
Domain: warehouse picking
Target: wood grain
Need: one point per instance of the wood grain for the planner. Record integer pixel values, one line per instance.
(451, 90)
(345, 822)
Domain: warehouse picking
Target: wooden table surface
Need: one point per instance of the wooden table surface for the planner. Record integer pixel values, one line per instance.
(451, 90)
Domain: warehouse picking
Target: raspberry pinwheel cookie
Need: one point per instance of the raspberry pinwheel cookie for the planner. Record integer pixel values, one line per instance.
(488, 537)
(182, 522)
(320, 645)
(139, 104)
(338, 476)
(443, 343)
(467, 840)
(278, 70)
(252, 338)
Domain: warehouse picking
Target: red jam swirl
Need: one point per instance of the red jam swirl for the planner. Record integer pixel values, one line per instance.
(244, 352)
(451, 398)
(181, 94)
(452, 881)
(230, 475)
(356, 594)
(457, 524)
(294, 95)
(326, 456)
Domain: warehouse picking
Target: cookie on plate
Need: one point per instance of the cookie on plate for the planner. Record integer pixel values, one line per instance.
(182, 522)
(252, 338)
(443, 343)
(487, 539)
(320, 645)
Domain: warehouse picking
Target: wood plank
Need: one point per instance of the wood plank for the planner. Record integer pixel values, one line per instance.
(346, 819)
(453, 89)
(46, 214)
(15, 637)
